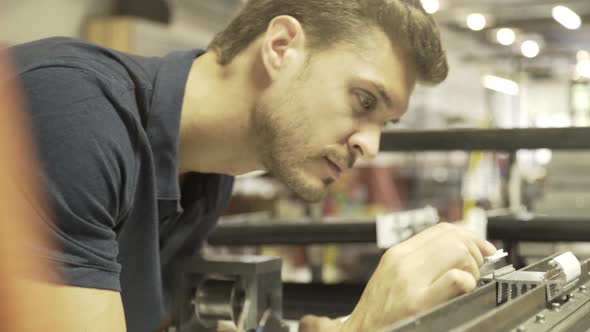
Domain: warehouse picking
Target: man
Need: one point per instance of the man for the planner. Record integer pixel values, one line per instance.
(139, 153)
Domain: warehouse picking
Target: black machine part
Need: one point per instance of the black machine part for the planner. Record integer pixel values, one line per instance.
(244, 289)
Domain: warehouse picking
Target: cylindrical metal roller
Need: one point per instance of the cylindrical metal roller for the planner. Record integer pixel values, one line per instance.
(218, 299)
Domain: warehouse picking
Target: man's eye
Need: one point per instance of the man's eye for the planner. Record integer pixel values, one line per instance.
(366, 101)
(390, 125)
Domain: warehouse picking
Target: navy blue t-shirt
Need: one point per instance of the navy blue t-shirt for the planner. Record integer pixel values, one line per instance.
(106, 126)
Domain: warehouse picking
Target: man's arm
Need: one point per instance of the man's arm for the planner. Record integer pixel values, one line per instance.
(86, 156)
(428, 269)
(75, 309)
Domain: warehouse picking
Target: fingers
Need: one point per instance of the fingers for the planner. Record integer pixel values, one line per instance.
(451, 284)
(226, 326)
(475, 252)
(471, 266)
(439, 230)
(451, 253)
(443, 247)
(310, 323)
(485, 247)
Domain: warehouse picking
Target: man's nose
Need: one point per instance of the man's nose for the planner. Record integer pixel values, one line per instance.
(365, 142)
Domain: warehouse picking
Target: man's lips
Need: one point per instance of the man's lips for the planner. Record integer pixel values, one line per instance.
(334, 167)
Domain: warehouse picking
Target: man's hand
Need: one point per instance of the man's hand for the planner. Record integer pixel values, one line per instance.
(430, 268)
(312, 323)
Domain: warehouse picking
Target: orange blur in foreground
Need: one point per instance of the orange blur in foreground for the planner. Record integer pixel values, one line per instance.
(22, 307)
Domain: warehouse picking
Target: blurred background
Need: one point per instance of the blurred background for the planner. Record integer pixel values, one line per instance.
(516, 66)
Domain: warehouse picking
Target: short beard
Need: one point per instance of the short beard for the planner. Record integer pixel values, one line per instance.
(281, 139)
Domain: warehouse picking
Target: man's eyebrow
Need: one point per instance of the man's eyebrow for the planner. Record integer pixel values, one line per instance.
(390, 102)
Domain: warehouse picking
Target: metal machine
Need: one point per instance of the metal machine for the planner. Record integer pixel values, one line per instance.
(246, 290)
(551, 295)
(548, 296)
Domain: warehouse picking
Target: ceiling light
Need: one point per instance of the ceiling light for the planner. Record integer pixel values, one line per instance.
(476, 22)
(530, 48)
(543, 156)
(583, 65)
(567, 17)
(506, 36)
(583, 69)
(430, 6)
(500, 84)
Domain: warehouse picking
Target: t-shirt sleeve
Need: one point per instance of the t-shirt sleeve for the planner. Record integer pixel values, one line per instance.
(87, 158)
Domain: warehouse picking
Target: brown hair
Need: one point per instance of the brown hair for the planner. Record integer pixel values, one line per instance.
(327, 22)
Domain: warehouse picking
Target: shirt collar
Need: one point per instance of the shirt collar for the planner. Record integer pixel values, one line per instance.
(163, 127)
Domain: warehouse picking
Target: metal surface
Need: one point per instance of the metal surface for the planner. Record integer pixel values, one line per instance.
(487, 139)
(219, 299)
(517, 283)
(156, 10)
(527, 312)
(453, 313)
(320, 299)
(508, 316)
(540, 229)
(220, 287)
(363, 230)
(295, 232)
(578, 321)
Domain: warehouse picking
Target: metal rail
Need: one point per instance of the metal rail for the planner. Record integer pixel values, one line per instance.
(487, 139)
(298, 232)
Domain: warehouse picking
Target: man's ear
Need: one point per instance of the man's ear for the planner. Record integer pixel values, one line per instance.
(283, 43)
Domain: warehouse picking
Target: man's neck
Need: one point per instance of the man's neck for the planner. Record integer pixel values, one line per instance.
(216, 134)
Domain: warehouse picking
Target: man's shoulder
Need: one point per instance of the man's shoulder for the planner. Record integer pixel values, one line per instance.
(107, 64)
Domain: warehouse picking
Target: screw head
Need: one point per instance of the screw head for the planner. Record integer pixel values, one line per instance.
(540, 318)
(555, 306)
(583, 289)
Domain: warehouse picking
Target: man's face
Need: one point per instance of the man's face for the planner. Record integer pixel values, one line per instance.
(323, 113)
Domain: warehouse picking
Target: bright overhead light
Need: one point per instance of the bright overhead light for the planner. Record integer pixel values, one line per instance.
(543, 156)
(583, 68)
(506, 36)
(430, 6)
(530, 48)
(583, 65)
(476, 22)
(500, 84)
(567, 17)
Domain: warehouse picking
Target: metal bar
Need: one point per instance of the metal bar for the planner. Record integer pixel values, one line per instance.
(578, 321)
(514, 312)
(509, 315)
(457, 312)
(453, 313)
(487, 139)
(539, 229)
(570, 316)
(155, 10)
(510, 228)
(320, 299)
(284, 232)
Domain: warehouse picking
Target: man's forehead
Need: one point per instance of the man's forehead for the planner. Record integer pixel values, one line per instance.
(382, 64)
